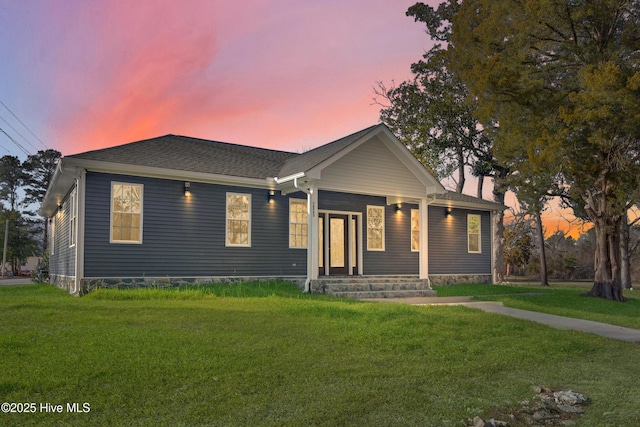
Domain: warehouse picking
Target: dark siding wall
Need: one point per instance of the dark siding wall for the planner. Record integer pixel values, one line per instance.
(397, 257)
(448, 243)
(185, 237)
(63, 259)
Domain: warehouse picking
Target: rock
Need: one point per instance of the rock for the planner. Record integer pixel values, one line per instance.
(548, 408)
(569, 397)
(570, 408)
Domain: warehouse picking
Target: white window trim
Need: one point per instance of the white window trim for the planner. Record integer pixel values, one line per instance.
(303, 201)
(226, 221)
(126, 242)
(369, 248)
(73, 218)
(417, 212)
(52, 234)
(479, 251)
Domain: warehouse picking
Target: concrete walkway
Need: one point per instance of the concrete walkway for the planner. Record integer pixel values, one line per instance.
(16, 281)
(559, 322)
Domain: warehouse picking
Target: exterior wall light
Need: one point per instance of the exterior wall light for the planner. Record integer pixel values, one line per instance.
(187, 189)
(271, 196)
(398, 207)
(447, 213)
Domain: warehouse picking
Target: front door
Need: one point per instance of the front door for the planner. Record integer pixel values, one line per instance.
(338, 244)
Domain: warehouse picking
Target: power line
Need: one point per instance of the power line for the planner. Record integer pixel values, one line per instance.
(25, 126)
(15, 142)
(16, 131)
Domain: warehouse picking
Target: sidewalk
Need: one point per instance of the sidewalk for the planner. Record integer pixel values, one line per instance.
(559, 322)
(16, 281)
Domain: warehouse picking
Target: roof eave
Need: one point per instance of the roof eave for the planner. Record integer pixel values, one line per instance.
(163, 173)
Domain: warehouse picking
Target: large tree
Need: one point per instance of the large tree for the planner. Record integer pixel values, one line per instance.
(433, 115)
(560, 82)
(39, 169)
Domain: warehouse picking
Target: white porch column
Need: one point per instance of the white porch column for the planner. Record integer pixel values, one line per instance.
(312, 237)
(424, 238)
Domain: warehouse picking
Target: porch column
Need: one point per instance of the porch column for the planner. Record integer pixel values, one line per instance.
(312, 237)
(424, 238)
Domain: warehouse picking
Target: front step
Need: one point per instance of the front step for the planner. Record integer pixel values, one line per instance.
(373, 287)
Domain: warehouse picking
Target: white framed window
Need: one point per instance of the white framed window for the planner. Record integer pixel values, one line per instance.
(375, 228)
(52, 234)
(415, 230)
(298, 223)
(126, 212)
(73, 215)
(238, 228)
(473, 234)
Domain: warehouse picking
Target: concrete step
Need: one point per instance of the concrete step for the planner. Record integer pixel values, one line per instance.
(385, 294)
(373, 286)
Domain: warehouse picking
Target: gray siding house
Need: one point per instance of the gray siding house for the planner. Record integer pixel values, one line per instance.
(357, 216)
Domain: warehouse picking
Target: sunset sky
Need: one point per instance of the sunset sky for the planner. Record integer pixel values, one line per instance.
(280, 74)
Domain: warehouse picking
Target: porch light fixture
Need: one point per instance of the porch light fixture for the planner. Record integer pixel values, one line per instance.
(187, 189)
(448, 213)
(271, 196)
(398, 207)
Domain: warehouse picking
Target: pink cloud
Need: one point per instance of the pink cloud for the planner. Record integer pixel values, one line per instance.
(279, 74)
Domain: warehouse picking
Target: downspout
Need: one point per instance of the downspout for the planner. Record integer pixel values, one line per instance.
(309, 193)
(80, 222)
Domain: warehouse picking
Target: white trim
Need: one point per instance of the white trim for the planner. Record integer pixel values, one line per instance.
(384, 228)
(479, 251)
(52, 234)
(80, 206)
(359, 233)
(301, 201)
(424, 238)
(226, 221)
(313, 267)
(126, 242)
(73, 216)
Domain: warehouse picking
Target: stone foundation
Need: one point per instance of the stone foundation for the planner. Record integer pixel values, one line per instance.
(457, 279)
(89, 285)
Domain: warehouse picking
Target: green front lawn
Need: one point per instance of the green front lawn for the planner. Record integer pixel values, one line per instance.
(559, 300)
(192, 357)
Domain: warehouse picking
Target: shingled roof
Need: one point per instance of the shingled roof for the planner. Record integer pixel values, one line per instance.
(183, 153)
(459, 198)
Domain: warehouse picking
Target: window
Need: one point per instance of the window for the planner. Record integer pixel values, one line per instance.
(238, 219)
(473, 233)
(73, 213)
(375, 228)
(126, 213)
(415, 230)
(52, 234)
(298, 223)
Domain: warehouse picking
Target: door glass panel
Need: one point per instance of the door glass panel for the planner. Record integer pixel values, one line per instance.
(321, 242)
(336, 226)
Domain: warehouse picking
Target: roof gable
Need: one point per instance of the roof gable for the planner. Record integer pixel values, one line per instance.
(312, 163)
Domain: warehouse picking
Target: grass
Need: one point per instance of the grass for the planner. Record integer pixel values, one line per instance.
(274, 357)
(559, 300)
